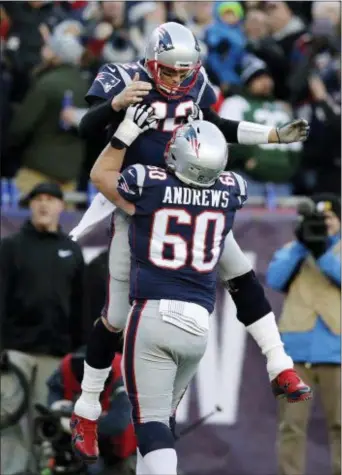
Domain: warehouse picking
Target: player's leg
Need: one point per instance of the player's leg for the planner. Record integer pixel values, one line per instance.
(105, 340)
(255, 312)
(151, 355)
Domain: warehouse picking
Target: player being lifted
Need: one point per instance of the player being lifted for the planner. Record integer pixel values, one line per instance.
(180, 219)
(173, 82)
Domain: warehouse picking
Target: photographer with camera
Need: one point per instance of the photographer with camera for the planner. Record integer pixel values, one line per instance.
(308, 270)
(116, 433)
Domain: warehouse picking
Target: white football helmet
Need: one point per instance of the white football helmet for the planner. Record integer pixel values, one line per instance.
(173, 46)
(197, 153)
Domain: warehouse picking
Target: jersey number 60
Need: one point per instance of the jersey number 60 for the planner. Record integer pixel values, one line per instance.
(201, 251)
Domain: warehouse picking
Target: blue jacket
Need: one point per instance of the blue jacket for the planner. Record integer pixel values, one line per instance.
(319, 345)
(226, 65)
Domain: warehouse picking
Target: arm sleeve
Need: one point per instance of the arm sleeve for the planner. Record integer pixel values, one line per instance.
(98, 117)
(330, 265)
(229, 128)
(285, 265)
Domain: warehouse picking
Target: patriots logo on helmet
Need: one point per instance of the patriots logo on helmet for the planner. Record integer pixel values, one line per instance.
(164, 42)
(107, 80)
(191, 136)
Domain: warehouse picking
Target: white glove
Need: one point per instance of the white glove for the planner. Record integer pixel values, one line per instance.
(195, 114)
(295, 131)
(138, 119)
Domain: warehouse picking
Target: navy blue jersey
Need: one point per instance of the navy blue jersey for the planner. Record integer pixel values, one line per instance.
(149, 147)
(177, 233)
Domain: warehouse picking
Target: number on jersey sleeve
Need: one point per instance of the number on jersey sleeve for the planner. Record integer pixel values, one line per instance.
(202, 252)
(238, 184)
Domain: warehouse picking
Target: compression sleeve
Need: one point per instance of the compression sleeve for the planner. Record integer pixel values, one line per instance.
(98, 117)
(229, 128)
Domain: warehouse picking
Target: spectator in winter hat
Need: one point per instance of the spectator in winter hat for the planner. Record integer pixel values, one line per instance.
(261, 164)
(225, 40)
(51, 151)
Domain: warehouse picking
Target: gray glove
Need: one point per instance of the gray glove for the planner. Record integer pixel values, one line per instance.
(295, 131)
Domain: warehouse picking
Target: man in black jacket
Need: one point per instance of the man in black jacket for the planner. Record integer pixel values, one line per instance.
(41, 294)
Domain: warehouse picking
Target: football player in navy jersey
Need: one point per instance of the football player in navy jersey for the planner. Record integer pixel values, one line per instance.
(228, 194)
(180, 218)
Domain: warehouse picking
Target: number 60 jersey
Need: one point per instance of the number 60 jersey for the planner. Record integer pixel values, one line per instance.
(177, 233)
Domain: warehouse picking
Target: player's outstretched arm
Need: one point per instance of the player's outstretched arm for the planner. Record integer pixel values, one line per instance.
(251, 133)
(105, 173)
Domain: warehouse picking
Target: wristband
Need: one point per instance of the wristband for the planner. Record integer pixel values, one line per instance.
(127, 132)
(117, 143)
(249, 133)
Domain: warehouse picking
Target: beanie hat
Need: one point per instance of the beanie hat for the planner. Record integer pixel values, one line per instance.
(234, 7)
(251, 68)
(66, 45)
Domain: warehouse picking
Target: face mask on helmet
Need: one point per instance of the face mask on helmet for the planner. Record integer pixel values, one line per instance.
(173, 82)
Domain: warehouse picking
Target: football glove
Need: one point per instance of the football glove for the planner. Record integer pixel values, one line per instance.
(295, 131)
(138, 119)
(195, 114)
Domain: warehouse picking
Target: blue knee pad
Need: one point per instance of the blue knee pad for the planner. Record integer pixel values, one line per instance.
(153, 436)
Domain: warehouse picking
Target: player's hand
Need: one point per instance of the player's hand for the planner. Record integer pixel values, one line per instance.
(138, 119)
(132, 94)
(143, 116)
(195, 114)
(295, 131)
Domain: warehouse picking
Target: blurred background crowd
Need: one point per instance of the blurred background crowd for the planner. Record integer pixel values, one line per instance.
(269, 61)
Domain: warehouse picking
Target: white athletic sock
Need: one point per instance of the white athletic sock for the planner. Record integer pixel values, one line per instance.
(161, 462)
(266, 334)
(88, 405)
(141, 468)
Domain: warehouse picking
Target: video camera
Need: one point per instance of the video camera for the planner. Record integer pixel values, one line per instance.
(54, 442)
(311, 226)
(48, 425)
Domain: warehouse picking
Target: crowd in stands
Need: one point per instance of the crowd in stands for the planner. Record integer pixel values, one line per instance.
(269, 61)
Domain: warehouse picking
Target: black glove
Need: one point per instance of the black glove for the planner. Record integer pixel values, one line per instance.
(312, 233)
